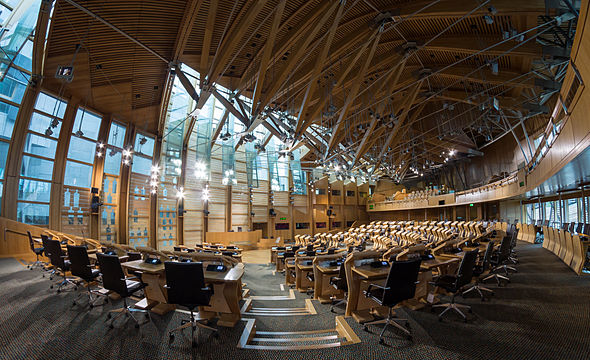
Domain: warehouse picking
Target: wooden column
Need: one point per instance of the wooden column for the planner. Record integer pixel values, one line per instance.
(153, 235)
(59, 164)
(180, 204)
(98, 174)
(123, 214)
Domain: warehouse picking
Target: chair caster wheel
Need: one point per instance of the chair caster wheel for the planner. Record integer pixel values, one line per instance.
(137, 326)
(381, 341)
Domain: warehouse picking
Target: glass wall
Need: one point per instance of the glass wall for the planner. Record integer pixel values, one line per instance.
(36, 171)
(139, 190)
(75, 214)
(111, 184)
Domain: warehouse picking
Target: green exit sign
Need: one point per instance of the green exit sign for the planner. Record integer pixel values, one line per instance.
(283, 218)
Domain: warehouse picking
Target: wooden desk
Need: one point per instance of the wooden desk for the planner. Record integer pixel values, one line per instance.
(227, 291)
(93, 259)
(362, 308)
(303, 266)
(289, 266)
(322, 272)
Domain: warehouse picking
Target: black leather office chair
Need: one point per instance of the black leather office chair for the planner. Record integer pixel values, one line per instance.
(80, 267)
(499, 260)
(481, 270)
(186, 287)
(57, 258)
(400, 285)
(114, 279)
(455, 283)
(339, 283)
(37, 251)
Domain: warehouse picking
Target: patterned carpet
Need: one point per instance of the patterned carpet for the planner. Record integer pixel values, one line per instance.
(544, 313)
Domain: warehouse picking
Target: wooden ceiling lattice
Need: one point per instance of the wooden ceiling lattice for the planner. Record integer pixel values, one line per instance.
(446, 48)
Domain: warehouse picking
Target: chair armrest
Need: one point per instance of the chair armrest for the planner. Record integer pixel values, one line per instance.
(368, 291)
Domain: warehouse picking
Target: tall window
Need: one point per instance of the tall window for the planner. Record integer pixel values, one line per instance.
(37, 162)
(75, 216)
(111, 186)
(15, 67)
(572, 210)
(139, 190)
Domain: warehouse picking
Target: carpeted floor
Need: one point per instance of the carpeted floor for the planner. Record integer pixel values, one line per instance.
(544, 313)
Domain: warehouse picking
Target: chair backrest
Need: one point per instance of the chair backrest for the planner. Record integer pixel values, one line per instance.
(342, 284)
(113, 277)
(401, 281)
(53, 252)
(80, 264)
(505, 247)
(465, 272)
(488, 255)
(186, 284)
(31, 242)
(133, 255)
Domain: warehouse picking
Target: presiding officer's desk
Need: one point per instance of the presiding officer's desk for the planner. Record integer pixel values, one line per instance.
(227, 289)
(324, 268)
(360, 274)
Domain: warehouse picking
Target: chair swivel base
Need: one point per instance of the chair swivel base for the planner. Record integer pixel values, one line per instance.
(497, 277)
(66, 281)
(93, 296)
(127, 311)
(452, 306)
(193, 324)
(390, 320)
(479, 290)
(341, 302)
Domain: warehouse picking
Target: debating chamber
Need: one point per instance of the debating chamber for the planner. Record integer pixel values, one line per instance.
(294, 179)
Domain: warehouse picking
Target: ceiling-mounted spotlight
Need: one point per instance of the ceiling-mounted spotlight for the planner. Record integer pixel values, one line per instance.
(225, 137)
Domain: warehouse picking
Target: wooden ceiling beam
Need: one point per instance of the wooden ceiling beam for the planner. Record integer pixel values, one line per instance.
(321, 102)
(319, 64)
(232, 39)
(207, 38)
(294, 59)
(400, 120)
(266, 55)
(286, 44)
(352, 94)
(389, 83)
(191, 11)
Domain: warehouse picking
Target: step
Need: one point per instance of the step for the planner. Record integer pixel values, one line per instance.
(341, 335)
(248, 309)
